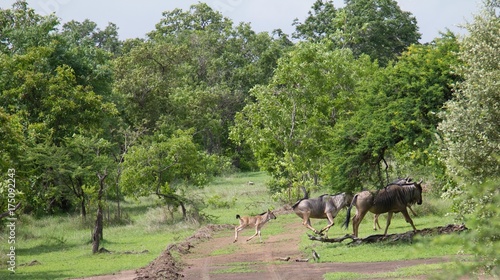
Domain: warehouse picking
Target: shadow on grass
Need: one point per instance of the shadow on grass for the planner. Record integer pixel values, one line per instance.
(44, 248)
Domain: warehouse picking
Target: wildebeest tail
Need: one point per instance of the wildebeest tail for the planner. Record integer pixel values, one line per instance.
(348, 216)
(238, 216)
(306, 196)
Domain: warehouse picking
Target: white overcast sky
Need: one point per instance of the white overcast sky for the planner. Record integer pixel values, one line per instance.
(135, 18)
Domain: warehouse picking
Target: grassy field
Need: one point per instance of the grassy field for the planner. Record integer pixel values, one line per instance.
(59, 247)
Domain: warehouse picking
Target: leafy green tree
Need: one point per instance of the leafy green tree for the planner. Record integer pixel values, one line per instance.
(288, 125)
(195, 71)
(165, 163)
(87, 156)
(392, 130)
(87, 33)
(378, 28)
(11, 137)
(146, 77)
(471, 139)
(22, 28)
(55, 86)
(471, 126)
(320, 24)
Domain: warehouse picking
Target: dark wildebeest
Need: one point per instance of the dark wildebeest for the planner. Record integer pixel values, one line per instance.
(257, 221)
(324, 207)
(391, 199)
(397, 182)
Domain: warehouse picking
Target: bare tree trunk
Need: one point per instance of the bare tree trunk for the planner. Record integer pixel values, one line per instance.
(98, 229)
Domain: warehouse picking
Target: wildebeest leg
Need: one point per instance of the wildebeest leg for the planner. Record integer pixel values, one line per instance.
(356, 221)
(236, 230)
(307, 222)
(413, 212)
(389, 217)
(375, 222)
(408, 219)
(330, 223)
(257, 232)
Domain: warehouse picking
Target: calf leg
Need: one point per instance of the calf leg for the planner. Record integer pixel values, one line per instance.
(257, 232)
(236, 230)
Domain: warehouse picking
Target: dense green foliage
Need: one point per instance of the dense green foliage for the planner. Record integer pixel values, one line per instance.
(377, 28)
(354, 102)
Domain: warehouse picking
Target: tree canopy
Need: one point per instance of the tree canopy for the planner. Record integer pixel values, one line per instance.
(377, 28)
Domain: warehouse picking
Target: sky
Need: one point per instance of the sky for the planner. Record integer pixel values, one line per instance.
(136, 18)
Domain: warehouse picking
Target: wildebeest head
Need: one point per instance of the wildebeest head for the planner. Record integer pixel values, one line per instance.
(270, 215)
(419, 195)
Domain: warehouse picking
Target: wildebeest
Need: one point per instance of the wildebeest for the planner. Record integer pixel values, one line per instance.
(391, 199)
(324, 207)
(397, 182)
(257, 221)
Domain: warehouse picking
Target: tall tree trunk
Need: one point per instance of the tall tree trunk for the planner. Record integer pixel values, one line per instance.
(98, 229)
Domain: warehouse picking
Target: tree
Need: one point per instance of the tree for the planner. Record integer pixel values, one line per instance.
(288, 125)
(21, 28)
(195, 70)
(87, 33)
(162, 164)
(471, 139)
(377, 28)
(471, 125)
(320, 24)
(392, 130)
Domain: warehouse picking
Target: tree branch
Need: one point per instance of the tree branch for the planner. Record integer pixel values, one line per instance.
(405, 237)
(7, 213)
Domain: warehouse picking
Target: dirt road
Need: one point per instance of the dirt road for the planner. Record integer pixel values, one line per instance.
(254, 260)
(218, 258)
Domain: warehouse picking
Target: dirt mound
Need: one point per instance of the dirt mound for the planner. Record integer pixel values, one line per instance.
(165, 266)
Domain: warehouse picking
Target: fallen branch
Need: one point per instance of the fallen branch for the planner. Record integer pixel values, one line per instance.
(406, 237)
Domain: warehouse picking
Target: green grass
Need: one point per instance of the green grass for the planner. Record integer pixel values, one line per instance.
(420, 248)
(62, 247)
(400, 273)
(61, 244)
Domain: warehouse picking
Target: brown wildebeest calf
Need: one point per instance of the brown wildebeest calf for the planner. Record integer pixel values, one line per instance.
(258, 221)
(323, 207)
(391, 199)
